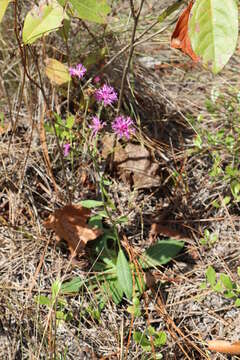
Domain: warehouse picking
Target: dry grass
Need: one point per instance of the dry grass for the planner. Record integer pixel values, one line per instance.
(164, 96)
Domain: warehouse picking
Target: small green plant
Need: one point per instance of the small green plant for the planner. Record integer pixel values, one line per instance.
(56, 303)
(222, 144)
(143, 339)
(223, 284)
(209, 238)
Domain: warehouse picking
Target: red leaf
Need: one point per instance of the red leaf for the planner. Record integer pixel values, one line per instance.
(180, 39)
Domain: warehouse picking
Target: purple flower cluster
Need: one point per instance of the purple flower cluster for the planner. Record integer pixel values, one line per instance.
(79, 71)
(96, 125)
(123, 126)
(66, 149)
(106, 94)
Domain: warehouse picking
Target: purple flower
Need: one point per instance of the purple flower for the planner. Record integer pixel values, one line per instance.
(97, 79)
(78, 71)
(122, 126)
(96, 125)
(107, 94)
(66, 149)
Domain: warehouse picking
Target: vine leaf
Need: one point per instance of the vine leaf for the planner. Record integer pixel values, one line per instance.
(213, 31)
(3, 7)
(180, 39)
(91, 10)
(41, 20)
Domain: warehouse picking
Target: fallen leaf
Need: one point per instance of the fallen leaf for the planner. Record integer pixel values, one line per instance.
(225, 347)
(158, 229)
(134, 163)
(70, 224)
(180, 39)
(57, 72)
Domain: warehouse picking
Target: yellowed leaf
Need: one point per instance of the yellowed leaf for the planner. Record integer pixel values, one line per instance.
(3, 7)
(57, 72)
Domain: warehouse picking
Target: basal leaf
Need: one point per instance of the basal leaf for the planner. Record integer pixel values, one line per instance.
(57, 72)
(213, 31)
(124, 274)
(42, 20)
(91, 10)
(161, 253)
(3, 7)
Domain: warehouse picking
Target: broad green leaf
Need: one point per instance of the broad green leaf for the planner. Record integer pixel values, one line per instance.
(213, 31)
(43, 300)
(91, 10)
(161, 253)
(124, 274)
(72, 286)
(227, 282)
(237, 303)
(116, 291)
(41, 20)
(3, 7)
(91, 203)
(57, 72)
(161, 339)
(211, 275)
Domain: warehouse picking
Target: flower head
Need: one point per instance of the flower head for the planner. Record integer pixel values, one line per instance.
(97, 79)
(122, 126)
(107, 94)
(96, 125)
(78, 71)
(66, 149)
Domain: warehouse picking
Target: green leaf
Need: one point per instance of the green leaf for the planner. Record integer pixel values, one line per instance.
(43, 300)
(142, 340)
(213, 31)
(70, 122)
(161, 339)
(218, 287)
(41, 20)
(124, 274)
(227, 282)
(3, 7)
(56, 286)
(91, 203)
(237, 303)
(161, 253)
(91, 10)
(211, 276)
(95, 220)
(116, 291)
(72, 286)
(238, 271)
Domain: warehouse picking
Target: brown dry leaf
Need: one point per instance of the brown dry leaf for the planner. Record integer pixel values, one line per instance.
(180, 39)
(225, 347)
(134, 163)
(70, 224)
(158, 229)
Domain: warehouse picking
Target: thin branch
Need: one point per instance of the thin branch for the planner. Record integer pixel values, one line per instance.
(126, 68)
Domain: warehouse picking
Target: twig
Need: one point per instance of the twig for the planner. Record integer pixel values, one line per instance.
(126, 68)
